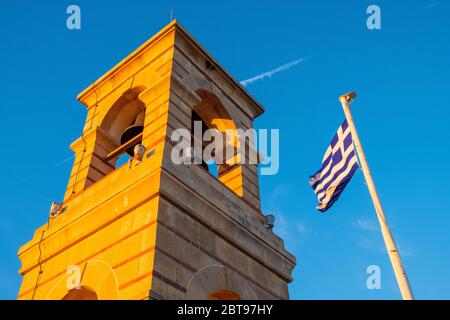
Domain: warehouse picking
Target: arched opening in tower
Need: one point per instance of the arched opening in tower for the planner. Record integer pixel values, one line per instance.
(83, 293)
(224, 295)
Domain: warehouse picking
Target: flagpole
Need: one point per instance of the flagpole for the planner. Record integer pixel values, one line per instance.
(400, 273)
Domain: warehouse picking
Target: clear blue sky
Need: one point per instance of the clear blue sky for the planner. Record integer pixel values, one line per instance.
(400, 72)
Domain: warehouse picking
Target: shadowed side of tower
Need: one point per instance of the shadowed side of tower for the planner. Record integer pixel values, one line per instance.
(150, 228)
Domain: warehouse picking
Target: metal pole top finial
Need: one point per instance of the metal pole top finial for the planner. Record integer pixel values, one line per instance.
(348, 96)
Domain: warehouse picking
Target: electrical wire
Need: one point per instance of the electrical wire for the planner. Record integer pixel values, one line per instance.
(41, 265)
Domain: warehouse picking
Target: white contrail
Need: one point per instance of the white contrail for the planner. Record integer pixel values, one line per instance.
(42, 170)
(432, 5)
(65, 160)
(269, 74)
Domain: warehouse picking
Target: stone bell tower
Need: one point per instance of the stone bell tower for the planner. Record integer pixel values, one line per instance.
(149, 228)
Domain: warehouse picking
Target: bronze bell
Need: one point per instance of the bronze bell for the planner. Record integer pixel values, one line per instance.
(132, 131)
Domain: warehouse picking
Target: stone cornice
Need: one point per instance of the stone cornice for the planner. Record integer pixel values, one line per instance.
(174, 25)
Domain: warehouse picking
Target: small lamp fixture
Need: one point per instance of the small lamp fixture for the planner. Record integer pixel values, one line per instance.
(269, 221)
(55, 208)
(138, 152)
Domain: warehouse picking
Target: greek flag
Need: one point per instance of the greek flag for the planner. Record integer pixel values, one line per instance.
(338, 166)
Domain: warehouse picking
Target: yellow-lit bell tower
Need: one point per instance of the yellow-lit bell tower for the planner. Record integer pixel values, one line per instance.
(150, 228)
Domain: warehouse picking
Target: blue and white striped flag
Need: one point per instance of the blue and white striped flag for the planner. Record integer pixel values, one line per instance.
(338, 166)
